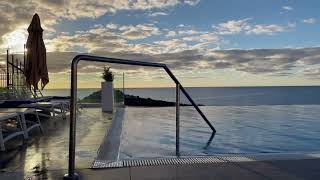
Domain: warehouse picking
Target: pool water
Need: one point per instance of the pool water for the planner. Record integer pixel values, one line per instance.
(150, 132)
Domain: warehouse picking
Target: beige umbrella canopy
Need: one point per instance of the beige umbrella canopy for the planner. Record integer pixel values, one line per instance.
(36, 63)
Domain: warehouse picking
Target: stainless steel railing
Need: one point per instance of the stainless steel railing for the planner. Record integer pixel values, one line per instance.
(72, 136)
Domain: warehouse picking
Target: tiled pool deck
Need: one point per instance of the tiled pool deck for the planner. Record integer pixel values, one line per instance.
(46, 155)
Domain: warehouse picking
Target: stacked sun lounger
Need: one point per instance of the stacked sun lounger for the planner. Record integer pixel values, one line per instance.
(57, 105)
(16, 104)
(7, 130)
(13, 122)
(23, 97)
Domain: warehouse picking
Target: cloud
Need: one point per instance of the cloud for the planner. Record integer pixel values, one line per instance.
(273, 62)
(132, 32)
(192, 2)
(159, 47)
(14, 16)
(233, 27)
(91, 40)
(183, 47)
(302, 62)
(17, 15)
(171, 34)
(190, 32)
(184, 31)
(203, 40)
(112, 26)
(139, 31)
(312, 73)
(309, 21)
(154, 14)
(269, 29)
(93, 9)
(186, 47)
(287, 8)
(111, 37)
(260, 61)
(264, 61)
(196, 39)
(114, 38)
(221, 64)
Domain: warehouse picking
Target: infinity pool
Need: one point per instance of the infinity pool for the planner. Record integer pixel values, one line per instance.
(150, 132)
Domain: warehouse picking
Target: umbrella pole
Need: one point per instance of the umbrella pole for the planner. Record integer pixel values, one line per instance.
(24, 57)
(8, 69)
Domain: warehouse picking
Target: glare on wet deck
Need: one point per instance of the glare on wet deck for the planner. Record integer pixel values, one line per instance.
(47, 152)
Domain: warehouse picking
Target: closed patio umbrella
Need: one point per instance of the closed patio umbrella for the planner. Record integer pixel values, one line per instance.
(36, 63)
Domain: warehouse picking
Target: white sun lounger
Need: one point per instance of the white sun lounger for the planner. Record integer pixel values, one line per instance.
(5, 116)
(56, 108)
(27, 124)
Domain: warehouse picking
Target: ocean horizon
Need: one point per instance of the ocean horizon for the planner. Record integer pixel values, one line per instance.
(220, 96)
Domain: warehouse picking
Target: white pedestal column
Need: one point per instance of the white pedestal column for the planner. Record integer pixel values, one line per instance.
(107, 96)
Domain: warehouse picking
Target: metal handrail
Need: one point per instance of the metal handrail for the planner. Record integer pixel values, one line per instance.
(72, 136)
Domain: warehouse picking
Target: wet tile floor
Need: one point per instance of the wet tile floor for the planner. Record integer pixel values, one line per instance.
(49, 151)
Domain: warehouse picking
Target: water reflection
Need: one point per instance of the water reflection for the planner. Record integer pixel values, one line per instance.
(209, 141)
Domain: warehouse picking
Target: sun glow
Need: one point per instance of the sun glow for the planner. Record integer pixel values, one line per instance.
(15, 40)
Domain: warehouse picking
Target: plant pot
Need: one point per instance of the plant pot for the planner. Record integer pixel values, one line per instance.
(107, 96)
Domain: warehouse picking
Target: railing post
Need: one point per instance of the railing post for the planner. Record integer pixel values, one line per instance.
(177, 119)
(72, 131)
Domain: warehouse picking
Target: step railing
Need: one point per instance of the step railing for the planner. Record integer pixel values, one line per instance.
(72, 136)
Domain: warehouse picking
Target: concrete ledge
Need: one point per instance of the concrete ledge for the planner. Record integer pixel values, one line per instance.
(98, 105)
(90, 105)
(109, 149)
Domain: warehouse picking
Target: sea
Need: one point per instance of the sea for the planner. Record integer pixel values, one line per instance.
(247, 120)
(221, 96)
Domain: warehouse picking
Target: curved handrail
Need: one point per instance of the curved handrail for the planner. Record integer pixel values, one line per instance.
(72, 134)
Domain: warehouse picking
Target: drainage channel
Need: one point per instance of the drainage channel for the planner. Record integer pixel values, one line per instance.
(204, 160)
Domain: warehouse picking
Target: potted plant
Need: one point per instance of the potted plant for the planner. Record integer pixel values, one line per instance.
(107, 90)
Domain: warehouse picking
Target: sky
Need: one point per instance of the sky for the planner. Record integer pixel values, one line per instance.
(204, 42)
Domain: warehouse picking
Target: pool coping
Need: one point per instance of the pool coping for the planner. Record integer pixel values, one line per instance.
(110, 146)
(219, 158)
